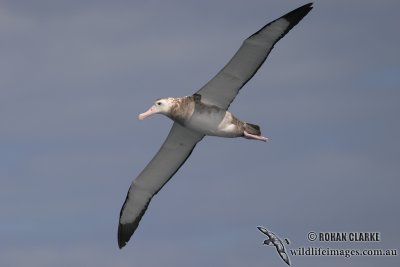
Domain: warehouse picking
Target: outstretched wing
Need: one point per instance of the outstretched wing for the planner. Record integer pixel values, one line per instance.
(223, 88)
(173, 153)
(284, 257)
(264, 231)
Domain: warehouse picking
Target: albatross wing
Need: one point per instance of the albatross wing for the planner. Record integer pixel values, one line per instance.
(264, 231)
(173, 153)
(223, 88)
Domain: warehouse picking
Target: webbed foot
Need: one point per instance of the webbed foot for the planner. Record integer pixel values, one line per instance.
(256, 137)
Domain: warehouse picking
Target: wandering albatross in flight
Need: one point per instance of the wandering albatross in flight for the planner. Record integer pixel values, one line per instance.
(204, 113)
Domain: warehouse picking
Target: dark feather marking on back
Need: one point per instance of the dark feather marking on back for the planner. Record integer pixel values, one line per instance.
(197, 98)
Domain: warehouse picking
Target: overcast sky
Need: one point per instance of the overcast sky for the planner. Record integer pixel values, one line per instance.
(75, 74)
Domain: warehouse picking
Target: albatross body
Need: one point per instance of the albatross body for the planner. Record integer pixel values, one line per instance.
(204, 113)
(212, 120)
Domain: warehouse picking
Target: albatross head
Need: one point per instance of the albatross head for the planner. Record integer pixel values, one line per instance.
(161, 106)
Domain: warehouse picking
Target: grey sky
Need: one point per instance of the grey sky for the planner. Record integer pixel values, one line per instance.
(75, 74)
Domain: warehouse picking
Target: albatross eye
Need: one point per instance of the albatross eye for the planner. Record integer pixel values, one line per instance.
(158, 103)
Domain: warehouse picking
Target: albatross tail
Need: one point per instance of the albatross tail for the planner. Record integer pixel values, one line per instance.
(252, 131)
(252, 128)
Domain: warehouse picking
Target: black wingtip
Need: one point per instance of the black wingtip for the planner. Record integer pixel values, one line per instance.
(125, 231)
(293, 17)
(296, 15)
(123, 237)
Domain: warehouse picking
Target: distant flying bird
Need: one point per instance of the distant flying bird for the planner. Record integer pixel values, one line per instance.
(204, 113)
(273, 240)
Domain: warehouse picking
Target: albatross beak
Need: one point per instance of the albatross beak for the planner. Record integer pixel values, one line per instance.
(151, 111)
